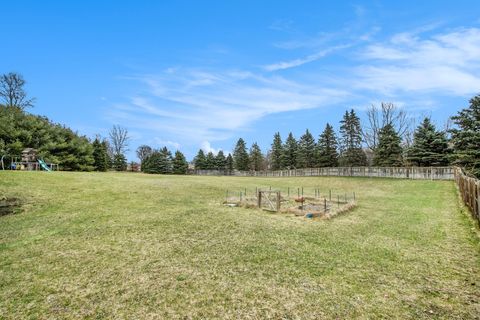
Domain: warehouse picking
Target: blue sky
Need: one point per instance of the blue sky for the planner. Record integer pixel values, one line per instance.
(191, 74)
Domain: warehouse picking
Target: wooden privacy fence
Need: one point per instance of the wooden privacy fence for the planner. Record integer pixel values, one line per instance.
(427, 173)
(470, 192)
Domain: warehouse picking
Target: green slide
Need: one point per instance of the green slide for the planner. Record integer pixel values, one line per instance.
(44, 165)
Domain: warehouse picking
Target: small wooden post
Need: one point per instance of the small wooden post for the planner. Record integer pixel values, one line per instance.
(226, 196)
(302, 191)
(338, 200)
(354, 196)
(325, 204)
(278, 201)
(259, 199)
(288, 192)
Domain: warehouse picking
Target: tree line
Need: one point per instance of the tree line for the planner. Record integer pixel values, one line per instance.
(61, 145)
(386, 141)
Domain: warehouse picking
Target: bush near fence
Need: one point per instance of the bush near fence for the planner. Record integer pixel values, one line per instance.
(469, 189)
(428, 173)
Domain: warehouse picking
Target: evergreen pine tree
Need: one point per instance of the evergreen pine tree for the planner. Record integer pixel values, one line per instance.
(327, 154)
(306, 151)
(210, 161)
(153, 162)
(289, 157)
(276, 152)
(388, 152)
(351, 149)
(220, 160)
(119, 162)
(100, 156)
(229, 162)
(166, 161)
(430, 147)
(240, 156)
(256, 158)
(199, 161)
(180, 164)
(466, 139)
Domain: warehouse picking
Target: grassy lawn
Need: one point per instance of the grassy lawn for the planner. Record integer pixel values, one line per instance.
(134, 246)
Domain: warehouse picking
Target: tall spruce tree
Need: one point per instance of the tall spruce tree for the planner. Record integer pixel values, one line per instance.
(351, 148)
(100, 156)
(210, 161)
(119, 162)
(276, 152)
(229, 162)
(220, 161)
(166, 165)
(240, 156)
(388, 152)
(289, 157)
(327, 154)
(430, 147)
(256, 158)
(199, 161)
(180, 164)
(466, 138)
(306, 151)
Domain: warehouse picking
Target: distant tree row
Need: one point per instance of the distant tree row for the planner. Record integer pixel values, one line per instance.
(213, 162)
(386, 141)
(161, 161)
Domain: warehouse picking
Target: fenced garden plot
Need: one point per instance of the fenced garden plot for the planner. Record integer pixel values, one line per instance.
(308, 203)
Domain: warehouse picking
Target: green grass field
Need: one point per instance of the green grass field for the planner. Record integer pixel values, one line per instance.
(134, 246)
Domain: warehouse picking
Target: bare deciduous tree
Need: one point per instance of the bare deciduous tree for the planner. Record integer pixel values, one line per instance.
(118, 139)
(143, 152)
(388, 113)
(12, 92)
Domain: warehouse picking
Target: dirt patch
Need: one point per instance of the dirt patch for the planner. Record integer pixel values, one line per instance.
(9, 206)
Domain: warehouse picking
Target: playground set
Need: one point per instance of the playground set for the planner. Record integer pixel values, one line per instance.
(306, 204)
(28, 160)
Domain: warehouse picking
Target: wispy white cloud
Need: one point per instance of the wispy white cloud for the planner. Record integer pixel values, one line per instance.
(445, 62)
(212, 106)
(300, 61)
